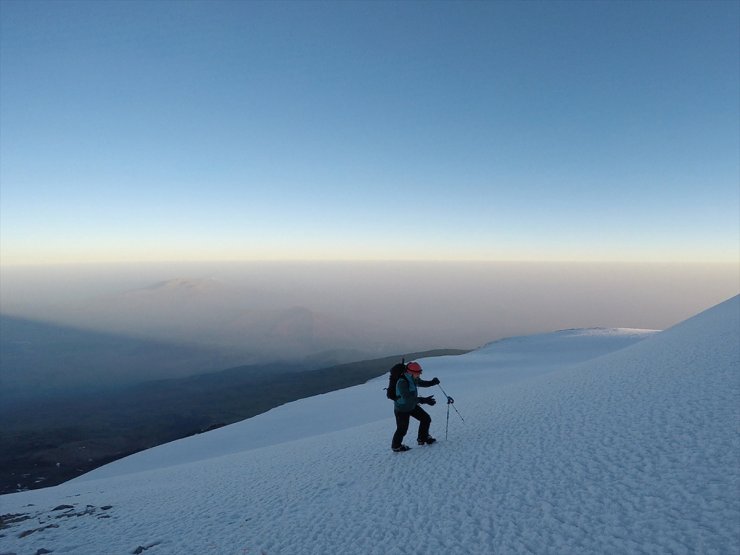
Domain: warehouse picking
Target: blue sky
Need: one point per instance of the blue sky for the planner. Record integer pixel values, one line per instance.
(589, 131)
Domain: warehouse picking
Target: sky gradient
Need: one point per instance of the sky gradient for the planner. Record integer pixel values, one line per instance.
(152, 131)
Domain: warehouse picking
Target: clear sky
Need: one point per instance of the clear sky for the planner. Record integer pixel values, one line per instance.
(143, 131)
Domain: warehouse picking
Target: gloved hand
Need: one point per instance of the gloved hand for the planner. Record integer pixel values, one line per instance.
(427, 400)
(435, 381)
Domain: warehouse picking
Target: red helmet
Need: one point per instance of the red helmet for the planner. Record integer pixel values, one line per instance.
(414, 367)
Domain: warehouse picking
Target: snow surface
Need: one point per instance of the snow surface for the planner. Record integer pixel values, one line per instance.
(580, 441)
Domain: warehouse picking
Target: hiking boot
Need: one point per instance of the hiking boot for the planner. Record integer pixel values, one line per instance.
(401, 449)
(428, 440)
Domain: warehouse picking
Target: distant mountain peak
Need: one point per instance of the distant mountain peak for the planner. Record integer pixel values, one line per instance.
(185, 284)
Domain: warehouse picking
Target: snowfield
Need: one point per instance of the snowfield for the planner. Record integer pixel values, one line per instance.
(579, 441)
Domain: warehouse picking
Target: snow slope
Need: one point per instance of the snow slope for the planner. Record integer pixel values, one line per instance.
(582, 441)
(502, 362)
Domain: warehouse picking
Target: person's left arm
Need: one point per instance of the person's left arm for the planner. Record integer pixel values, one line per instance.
(427, 383)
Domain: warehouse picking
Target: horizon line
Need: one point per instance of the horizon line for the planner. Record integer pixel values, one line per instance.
(367, 261)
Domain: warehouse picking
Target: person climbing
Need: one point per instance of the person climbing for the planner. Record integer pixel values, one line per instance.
(407, 404)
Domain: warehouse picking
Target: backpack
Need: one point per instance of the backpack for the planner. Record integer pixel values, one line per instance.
(396, 372)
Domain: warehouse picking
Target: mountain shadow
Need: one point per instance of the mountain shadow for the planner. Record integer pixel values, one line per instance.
(42, 360)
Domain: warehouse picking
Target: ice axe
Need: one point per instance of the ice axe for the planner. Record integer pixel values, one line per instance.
(450, 401)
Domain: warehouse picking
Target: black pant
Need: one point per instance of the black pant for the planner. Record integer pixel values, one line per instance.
(402, 425)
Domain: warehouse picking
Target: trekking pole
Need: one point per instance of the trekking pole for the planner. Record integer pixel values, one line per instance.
(450, 401)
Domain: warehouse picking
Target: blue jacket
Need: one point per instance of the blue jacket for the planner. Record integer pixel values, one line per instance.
(407, 392)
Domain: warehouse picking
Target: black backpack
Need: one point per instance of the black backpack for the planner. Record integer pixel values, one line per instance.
(396, 372)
